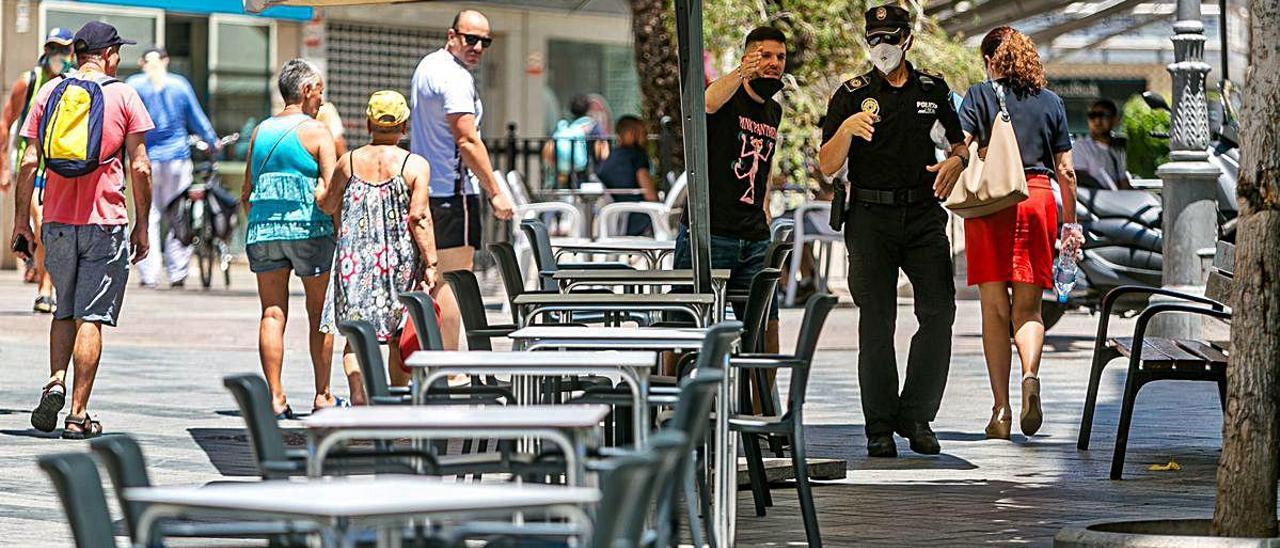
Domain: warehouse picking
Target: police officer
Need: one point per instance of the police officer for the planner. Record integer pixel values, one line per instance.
(880, 124)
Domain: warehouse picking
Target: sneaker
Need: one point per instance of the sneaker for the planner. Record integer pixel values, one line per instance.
(178, 284)
(45, 304)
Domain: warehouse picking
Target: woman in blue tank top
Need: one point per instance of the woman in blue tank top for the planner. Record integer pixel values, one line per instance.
(288, 153)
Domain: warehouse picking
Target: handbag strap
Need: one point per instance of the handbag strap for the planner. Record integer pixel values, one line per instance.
(1004, 108)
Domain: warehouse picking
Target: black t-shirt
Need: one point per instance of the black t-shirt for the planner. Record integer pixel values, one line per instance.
(619, 171)
(901, 147)
(1039, 121)
(742, 138)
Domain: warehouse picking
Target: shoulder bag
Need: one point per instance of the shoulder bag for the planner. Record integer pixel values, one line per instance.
(996, 181)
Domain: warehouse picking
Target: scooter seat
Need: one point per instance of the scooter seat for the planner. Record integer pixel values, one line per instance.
(1138, 205)
(1122, 232)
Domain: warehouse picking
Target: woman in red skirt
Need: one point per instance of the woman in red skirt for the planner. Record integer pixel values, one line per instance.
(1011, 252)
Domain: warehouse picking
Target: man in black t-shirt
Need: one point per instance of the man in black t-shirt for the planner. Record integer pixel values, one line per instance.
(742, 137)
(880, 124)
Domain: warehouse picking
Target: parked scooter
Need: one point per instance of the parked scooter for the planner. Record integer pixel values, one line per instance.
(1122, 228)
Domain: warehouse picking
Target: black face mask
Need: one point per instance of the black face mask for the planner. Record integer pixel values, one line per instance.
(766, 87)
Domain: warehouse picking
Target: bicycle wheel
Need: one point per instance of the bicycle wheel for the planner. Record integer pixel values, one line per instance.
(206, 245)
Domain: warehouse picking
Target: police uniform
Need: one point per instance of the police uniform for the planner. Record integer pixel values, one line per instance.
(893, 221)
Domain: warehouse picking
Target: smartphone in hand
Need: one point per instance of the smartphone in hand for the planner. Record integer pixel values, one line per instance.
(23, 247)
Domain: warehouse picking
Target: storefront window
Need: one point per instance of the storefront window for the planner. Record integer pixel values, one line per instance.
(240, 75)
(137, 24)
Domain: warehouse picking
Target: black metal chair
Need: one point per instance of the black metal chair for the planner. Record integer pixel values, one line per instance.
(127, 467)
(75, 478)
(545, 258)
(790, 423)
(275, 459)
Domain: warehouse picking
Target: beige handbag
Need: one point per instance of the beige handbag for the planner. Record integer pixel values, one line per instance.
(996, 181)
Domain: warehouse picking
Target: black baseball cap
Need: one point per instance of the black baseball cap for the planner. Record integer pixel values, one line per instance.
(889, 19)
(96, 35)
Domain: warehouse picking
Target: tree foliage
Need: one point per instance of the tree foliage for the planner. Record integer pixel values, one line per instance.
(1145, 153)
(826, 48)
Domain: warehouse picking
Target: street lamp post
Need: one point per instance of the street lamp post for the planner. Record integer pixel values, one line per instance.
(1189, 193)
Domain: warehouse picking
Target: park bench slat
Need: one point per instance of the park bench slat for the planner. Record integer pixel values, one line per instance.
(1204, 350)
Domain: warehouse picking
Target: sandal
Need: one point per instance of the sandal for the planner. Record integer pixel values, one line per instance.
(286, 415)
(81, 428)
(45, 416)
(338, 401)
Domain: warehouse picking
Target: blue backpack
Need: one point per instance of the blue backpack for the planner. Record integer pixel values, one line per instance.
(571, 144)
(71, 133)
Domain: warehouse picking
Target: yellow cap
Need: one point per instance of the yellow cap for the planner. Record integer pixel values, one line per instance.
(387, 108)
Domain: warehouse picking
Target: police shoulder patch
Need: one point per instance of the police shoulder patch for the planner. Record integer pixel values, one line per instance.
(855, 83)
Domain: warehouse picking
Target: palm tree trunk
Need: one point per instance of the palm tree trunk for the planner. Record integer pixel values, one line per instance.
(658, 67)
(1246, 503)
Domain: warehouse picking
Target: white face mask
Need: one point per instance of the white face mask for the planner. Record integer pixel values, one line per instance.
(886, 57)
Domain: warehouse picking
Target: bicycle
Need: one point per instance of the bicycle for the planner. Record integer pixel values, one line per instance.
(210, 213)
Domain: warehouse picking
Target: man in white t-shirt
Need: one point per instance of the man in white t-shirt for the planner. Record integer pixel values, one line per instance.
(445, 129)
(1101, 156)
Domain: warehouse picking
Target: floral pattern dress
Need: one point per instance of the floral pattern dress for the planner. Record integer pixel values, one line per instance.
(376, 258)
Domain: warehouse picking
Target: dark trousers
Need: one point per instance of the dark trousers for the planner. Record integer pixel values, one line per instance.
(881, 239)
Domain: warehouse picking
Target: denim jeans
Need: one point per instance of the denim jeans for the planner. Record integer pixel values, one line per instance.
(743, 259)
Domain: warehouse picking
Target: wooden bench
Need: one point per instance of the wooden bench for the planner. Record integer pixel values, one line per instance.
(1154, 358)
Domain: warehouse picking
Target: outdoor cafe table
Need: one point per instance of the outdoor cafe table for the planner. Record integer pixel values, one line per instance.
(571, 278)
(633, 367)
(344, 506)
(568, 337)
(571, 427)
(699, 306)
(652, 250)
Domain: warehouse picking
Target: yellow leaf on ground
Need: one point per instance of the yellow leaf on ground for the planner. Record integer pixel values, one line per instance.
(1173, 466)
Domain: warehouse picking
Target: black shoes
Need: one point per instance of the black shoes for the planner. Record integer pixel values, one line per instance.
(882, 446)
(922, 438)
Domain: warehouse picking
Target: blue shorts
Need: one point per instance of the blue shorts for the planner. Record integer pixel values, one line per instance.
(89, 267)
(743, 259)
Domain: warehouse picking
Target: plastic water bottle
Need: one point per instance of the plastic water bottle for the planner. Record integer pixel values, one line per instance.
(1064, 269)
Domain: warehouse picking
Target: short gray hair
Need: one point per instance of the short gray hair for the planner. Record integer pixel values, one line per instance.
(293, 75)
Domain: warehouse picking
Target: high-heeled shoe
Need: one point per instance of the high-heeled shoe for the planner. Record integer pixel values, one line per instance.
(1001, 423)
(1032, 416)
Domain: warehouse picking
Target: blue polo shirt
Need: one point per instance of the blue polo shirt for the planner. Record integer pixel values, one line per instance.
(176, 112)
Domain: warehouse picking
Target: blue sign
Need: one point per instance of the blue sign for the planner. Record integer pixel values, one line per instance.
(295, 13)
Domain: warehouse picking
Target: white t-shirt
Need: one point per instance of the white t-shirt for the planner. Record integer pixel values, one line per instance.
(442, 85)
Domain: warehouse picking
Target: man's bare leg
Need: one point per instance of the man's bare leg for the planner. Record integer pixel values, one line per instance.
(88, 350)
(454, 258)
(62, 342)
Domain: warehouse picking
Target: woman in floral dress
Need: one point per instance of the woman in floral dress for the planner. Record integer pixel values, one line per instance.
(386, 244)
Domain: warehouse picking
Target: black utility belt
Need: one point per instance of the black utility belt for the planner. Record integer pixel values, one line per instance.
(896, 197)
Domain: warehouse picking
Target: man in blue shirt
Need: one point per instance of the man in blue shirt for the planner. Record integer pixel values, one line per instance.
(176, 112)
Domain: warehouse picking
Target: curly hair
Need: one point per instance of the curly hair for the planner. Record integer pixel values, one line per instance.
(1013, 56)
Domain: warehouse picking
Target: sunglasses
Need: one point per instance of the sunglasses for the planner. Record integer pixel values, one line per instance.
(473, 39)
(1098, 114)
(891, 39)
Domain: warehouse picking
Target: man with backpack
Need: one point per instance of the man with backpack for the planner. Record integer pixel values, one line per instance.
(82, 125)
(54, 60)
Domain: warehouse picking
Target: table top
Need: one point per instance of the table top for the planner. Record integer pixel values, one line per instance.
(635, 276)
(383, 496)
(605, 300)
(681, 334)
(575, 358)
(482, 417)
(616, 244)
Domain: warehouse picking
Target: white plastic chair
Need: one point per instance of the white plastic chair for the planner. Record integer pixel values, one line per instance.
(570, 218)
(611, 221)
(818, 214)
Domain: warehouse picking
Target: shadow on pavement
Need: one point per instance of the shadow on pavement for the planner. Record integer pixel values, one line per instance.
(229, 451)
(848, 442)
(33, 433)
